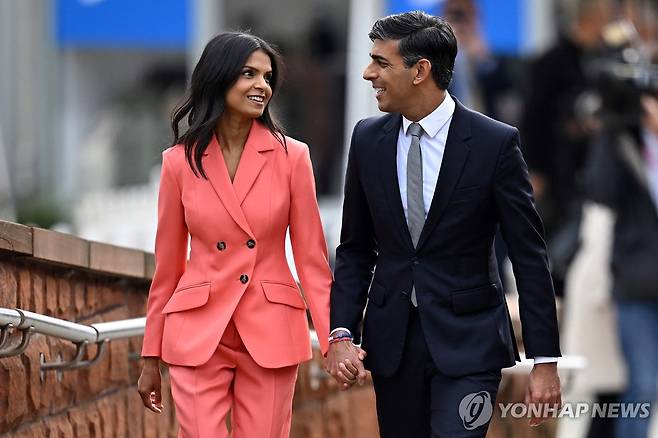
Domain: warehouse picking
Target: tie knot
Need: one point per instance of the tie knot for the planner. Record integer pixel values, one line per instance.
(415, 129)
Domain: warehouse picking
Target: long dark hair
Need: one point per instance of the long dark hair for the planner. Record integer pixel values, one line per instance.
(421, 36)
(218, 69)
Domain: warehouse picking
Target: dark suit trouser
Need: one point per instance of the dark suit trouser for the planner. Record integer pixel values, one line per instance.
(418, 401)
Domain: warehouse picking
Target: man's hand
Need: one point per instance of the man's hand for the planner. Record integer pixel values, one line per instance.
(543, 390)
(345, 364)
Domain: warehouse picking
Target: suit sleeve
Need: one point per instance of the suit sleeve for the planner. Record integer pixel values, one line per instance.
(171, 241)
(523, 232)
(309, 245)
(357, 253)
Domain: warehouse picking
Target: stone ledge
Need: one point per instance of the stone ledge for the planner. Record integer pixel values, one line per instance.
(116, 260)
(68, 250)
(58, 247)
(15, 238)
(149, 262)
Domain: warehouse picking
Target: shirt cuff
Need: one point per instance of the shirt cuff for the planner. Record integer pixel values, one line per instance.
(545, 359)
(339, 328)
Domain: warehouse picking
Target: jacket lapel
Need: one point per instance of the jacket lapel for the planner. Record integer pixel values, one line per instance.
(454, 158)
(215, 168)
(252, 160)
(387, 146)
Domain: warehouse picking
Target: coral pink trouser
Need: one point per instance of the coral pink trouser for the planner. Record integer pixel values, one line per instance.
(260, 398)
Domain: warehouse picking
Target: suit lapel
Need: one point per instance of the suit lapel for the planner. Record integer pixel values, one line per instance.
(454, 158)
(252, 160)
(387, 146)
(215, 168)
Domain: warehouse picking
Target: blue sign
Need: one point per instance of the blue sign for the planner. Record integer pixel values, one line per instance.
(429, 6)
(158, 24)
(501, 21)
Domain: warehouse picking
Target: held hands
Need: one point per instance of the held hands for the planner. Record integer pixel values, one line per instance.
(149, 384)
(543, 390)
(345, 363)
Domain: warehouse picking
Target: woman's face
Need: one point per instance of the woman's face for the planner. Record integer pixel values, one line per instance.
(251, 93)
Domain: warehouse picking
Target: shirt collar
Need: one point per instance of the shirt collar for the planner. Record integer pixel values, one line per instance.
(436, 120)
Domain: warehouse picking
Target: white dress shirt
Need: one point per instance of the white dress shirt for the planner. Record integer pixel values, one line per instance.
(432, 145)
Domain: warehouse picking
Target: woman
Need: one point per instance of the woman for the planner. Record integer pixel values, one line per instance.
(230, 322)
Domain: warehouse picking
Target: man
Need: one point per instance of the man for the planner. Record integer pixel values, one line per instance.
(623, 175)
(557, 128)
(437, 331)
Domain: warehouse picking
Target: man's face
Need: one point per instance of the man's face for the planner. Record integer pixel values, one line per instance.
(391, 79)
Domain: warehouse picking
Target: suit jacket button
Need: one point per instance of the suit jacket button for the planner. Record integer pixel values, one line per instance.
(244, 279)
(221, 246)
(251, 243)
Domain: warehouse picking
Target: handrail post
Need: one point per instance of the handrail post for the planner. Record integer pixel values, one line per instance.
(4, 334)
(26, 335)
(76, 362)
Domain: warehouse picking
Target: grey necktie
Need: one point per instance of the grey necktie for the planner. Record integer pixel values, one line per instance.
(415, 205)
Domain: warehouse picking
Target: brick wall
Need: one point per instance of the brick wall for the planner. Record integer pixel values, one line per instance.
(86, 282)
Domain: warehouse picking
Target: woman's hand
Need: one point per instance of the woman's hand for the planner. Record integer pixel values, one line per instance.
(149, 384)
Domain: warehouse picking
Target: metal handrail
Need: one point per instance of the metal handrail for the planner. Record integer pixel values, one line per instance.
(101, 333)
(9, 316)
(56, 327)
(123, 329)
(82, 335)
(71, 331)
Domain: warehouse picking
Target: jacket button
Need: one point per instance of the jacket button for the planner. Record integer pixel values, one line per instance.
(251, 243)
(244, 279)
(221, 246)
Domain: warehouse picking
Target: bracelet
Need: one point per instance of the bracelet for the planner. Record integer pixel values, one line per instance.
(340, 339)
(336, 338)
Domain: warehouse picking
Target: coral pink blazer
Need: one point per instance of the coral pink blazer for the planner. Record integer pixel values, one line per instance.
(237, 267)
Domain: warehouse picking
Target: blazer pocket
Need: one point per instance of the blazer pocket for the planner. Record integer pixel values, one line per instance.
(377, 294)
(475, 300)
(283, 293)
(188, 297)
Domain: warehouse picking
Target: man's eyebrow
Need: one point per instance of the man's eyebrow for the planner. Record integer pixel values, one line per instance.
(378, 58)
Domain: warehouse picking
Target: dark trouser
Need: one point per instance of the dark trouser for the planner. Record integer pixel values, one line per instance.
(419, 401)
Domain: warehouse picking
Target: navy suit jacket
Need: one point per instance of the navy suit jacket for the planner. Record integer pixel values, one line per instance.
(483, 183)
